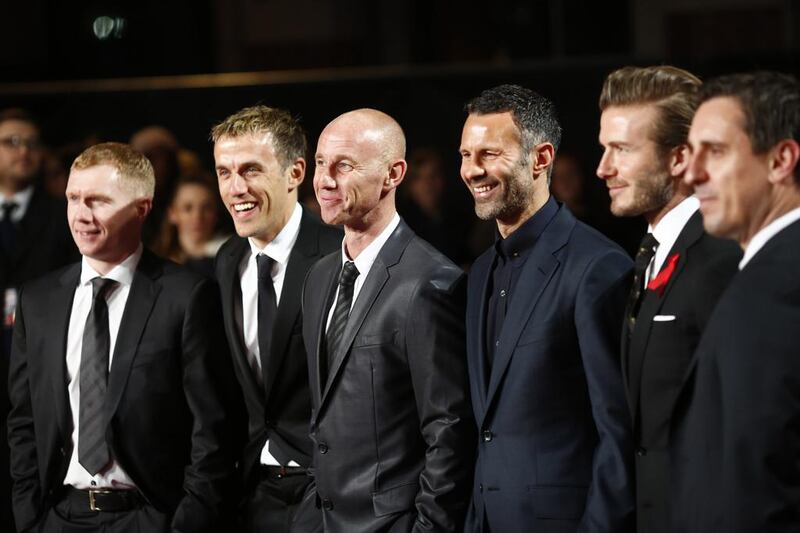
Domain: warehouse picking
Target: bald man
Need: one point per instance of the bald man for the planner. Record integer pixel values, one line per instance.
(384, 332)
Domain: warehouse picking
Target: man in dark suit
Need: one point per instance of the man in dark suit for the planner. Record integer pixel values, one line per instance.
(34, 239)
(738, 443)
(260, 161)
(680, 270)
(120, 379)
(390, 422)
(544, 306)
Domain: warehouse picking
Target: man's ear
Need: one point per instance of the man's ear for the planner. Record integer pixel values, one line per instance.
(679, 160)
(143, 207)
(296, 173)
(397, 171)
(541, 158)
(783, 158)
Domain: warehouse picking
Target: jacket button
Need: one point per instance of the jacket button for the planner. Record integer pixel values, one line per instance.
(327, 504)
(63, 452)
(487, 435)
(323, 448)
(480, 487)
(641, 452)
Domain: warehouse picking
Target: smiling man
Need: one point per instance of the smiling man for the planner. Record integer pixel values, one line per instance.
(120, 378)
(646, 114)
(259, 154)
(544, 306)
(384, 332)
(737, 448)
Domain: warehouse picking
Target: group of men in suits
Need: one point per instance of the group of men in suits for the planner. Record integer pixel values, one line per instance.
(358, 381)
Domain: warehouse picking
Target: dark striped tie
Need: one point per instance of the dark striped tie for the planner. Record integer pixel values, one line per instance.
(93, 452)
(267, 308)
(347, 281)
(647, 249)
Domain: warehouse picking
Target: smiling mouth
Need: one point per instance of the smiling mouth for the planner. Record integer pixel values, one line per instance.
(243, 207)
(480, 191)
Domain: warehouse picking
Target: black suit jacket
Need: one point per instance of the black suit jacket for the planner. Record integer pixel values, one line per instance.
(655, 360)
(391, 423)
(280, 409)
(737, 441)
(167, 399)
(555, 447)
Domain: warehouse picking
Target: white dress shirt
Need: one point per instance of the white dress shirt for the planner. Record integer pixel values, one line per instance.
(22, 199)
(763, 235)
(279, 250)
(364, 262)
(666, 233)
(77, 476)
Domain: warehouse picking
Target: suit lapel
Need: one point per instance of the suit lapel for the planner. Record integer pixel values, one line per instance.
(330, 266)
(58, 316)
(31, 227)
(376, 278)
(534, 278)
(231, 290)
(651, 305)
(303, 255)
(143, 294)
(476, 327)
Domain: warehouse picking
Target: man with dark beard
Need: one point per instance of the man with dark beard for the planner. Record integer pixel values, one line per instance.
(680, 270)
(543, 311)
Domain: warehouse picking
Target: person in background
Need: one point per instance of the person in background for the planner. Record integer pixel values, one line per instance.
(188, 233)
(34, 239)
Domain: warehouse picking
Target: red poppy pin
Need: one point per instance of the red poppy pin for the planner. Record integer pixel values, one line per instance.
(659, 283)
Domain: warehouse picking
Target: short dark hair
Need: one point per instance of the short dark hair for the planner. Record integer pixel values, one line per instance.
(288, 137)
(17, 113)
(770, 102)
(673, 91)
(534, 115)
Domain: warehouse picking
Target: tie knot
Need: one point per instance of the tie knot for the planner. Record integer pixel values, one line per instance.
(349, 274)
(101, 286)
(264, 265)
(8, 208)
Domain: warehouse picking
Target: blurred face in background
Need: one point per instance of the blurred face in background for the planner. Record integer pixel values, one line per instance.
(194, 212)
(20, 155)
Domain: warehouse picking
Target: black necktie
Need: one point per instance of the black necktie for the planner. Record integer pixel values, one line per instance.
(647, 249)
(347, 281)
(267, 307)
(8, 230)
(92, 447)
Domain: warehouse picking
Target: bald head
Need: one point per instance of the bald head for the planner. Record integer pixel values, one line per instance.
(373, 127)
(359, 164)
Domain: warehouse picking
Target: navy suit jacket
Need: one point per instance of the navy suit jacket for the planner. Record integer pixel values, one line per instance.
(555, 446)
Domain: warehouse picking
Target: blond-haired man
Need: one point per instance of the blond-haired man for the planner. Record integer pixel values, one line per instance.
(120, 378)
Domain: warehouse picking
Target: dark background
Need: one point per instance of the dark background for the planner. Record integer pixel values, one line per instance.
(186, 64)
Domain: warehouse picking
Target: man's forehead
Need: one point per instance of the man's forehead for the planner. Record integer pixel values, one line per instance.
(717, 118)
(18, 127)
(93, 176)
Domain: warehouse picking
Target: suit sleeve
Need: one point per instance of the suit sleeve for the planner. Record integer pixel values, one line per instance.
(211, 394)
(598, 314)
(436, 350)
(26, 492)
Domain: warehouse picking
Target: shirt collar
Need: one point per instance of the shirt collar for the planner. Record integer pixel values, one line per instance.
(521, 241)
(280, 247)
(122, 273)
(670, 226)
(766, 233)
(370, 253)
(22, 199)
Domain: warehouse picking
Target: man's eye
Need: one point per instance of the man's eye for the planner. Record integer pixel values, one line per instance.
(344, 167)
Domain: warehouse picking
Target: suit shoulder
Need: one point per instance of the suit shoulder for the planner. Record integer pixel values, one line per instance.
(44, 284)
(432, 264)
